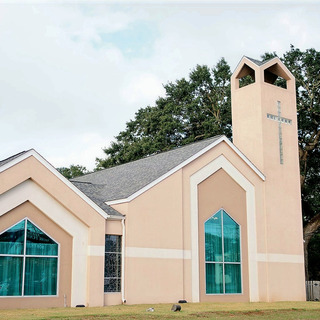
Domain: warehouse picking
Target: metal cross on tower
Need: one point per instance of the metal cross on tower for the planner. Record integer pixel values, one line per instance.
(280, 120)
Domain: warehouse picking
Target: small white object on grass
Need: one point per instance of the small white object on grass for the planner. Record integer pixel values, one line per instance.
(150, 310)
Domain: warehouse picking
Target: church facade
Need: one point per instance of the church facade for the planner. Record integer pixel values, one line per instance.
(212, 221)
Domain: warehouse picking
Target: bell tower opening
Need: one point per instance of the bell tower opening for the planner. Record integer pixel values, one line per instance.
(275, 75)
(246, 76)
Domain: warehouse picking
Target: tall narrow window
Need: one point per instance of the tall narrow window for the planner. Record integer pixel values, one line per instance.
(112, 267)
(222, 254)
(28, 261)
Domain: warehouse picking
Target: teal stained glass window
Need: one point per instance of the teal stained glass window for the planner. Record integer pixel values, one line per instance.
(222, 254)
(28, 261)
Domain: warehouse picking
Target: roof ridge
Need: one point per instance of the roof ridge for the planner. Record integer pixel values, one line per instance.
(259, 62)
(149, 156)
(173, 149)
(255, 61)
(123, 180)
(17, 155)
(81, 181)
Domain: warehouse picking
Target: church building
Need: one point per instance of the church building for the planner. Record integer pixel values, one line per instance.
(213, 221)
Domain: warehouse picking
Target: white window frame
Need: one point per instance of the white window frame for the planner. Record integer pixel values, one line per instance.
(223, 262)
(24, 256)
(121, 266)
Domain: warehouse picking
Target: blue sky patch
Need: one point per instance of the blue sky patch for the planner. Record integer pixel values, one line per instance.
(136, 41)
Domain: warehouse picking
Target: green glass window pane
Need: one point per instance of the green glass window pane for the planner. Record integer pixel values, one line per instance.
(112, 285)
(213, 238)
(112, 243)
(38, 243)
(40, 276)
(231, 239)
(112, 265)
(214, 278)
(232, 276)
(11, 276)
(12, 240)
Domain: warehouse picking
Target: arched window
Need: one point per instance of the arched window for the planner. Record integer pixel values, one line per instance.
(222, 254)
(28, 261)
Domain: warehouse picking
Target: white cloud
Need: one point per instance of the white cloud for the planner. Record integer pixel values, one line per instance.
(142, 89)
(83, 150)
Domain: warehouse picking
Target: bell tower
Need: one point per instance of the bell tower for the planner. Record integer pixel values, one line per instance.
(264, 122)
(264, 114)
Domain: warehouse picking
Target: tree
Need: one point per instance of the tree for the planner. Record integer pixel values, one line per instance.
(73, 171)
(314, 256)
(191, 110)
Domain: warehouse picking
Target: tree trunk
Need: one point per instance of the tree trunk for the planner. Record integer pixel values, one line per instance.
(308, 231)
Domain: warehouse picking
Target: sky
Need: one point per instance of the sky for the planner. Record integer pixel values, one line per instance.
(72, 73)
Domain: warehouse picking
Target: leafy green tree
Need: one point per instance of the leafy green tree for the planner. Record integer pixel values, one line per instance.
(314, 256)
(73, 171)
(192, 109)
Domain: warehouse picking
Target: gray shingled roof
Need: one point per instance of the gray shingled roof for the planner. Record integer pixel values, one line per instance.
(257, 62)
(94, 193)
(5, 161)
(122, 181)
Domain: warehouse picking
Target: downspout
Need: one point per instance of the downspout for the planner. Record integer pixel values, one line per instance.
(123, 259)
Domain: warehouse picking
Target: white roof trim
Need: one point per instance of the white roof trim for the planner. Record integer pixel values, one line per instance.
(51, 168)
(245, 159)
(181, 165)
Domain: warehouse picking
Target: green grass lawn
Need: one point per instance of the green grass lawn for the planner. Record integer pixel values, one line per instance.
(234, 311)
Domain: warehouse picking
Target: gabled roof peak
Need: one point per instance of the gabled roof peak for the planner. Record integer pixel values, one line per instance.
(255, 61)
(258, 62)
(103, 209)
